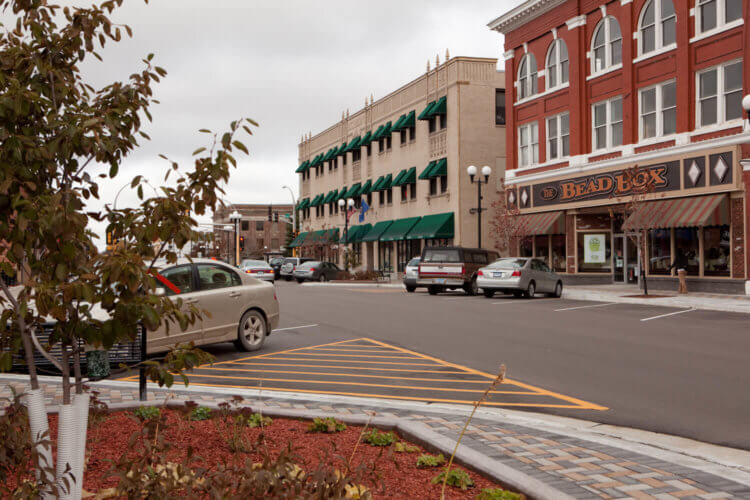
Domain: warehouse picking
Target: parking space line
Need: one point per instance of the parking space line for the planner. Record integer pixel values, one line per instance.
(279, 352)
(668, 314)
(358, 361)
(585, 307)
(299, 353)
(293, 328)
(374, 368)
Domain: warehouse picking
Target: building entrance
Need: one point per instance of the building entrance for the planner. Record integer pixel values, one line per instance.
(627, 260)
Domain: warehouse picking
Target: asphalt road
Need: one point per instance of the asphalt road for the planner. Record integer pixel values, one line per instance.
(639, 366)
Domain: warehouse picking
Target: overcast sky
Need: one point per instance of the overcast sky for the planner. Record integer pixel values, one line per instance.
(291, 65)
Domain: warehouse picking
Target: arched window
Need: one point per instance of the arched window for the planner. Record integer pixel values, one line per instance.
(557, 64)
(527, 77)
(606, 45)
(657, 27)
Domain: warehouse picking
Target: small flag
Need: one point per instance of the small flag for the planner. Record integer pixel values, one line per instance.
(365, 208)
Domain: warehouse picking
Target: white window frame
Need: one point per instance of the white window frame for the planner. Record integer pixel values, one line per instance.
(533, 147)
(556, 69)
(721, 17)
(608, 123)
(558, 138)
(608, 44)
(526, 79)
(659, 110)
(658, 27)
(720, 95)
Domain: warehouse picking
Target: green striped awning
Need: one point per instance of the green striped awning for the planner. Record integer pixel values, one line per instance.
(303, 166)
(433, 226)
(342, 149)
(410, 120)
(376, 187)
(440, 107)
(397, 180)
(426, 172)
(366, 188)
(356, 233)
(316, 201)
(377, 231)
(387, 182)
(299, 240)
(399, 123)
(425, 114)
(342, 193)
(399, 229)
(406, 177)
(383, 131)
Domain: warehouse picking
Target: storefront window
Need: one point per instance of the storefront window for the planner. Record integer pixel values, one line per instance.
(660, 251)
(386, 256)
(716, 251)
(542, 248)
(527, 247)
(559, 259)
(594, 252)
(687, 252)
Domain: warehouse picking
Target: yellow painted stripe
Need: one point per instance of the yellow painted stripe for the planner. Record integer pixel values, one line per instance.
(300, 353)
(351, 361)
(373, 368)
(315, 349)
(257, 356)
(580, 402)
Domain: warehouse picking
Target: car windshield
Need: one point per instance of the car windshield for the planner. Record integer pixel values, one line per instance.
(290, 261)
(414, 262)
(254, 263)
(277, 261)
(308, 265)
(441, 255)
(509, 263)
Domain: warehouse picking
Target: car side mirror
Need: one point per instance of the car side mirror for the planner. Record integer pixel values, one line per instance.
(160, 292)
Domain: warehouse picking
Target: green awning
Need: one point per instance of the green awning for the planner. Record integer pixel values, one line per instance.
(331, 152)
(399, 123)
(440, 168)
(303, 166)
(440, 107)
(354, 190)
(426, 172)
(384, 131)
(317, 160)
(376, 187)
(356, 233)
(399, 229)
(342, 193)
(366, 188)
(366, 139)
(303, 204)
(406, 177)
(354, 144)
(425, 114)
(331, 196)
(433, 226)
(377, 230)
(342, 149)
(387, 182)
(378, 133)
(410, 120)
(316, 201)
(299, 240)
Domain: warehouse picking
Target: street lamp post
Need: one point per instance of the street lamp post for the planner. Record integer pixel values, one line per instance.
(346, 206)
(746, 107)
(235, 218)
(472, 171)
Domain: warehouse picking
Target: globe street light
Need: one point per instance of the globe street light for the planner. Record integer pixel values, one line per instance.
(348, 204)
(472, 171)
(235, 218)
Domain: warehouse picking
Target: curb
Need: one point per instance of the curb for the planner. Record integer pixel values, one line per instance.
(354, 284)
(664, 302)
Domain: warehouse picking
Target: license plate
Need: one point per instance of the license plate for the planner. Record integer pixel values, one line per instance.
(439, 281)
(498, 275)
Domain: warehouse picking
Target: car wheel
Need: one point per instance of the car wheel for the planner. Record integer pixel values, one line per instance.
(251, 333)
(530, 290)
(322, 278)
(288, 278)
(471, 288)
(558, 290)
(300, 280)
(517, 294)
(433, 290)
(410, 288)
(488, 293)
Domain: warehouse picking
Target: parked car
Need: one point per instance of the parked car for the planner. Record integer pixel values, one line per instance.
(258, 269)
(315, 270)
(276, 264)
(519, 276)
(411, 274)
(289, 265)
(449, 268)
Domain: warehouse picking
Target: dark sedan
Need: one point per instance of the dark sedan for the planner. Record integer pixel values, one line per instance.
(316, 271)
(276, 264)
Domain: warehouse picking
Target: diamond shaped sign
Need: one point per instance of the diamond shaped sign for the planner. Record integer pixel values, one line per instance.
(721, 169)
(524, 197)
(512, 198)
(694, 173)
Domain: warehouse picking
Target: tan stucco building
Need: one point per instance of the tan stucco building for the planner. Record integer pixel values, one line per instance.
(405, 156)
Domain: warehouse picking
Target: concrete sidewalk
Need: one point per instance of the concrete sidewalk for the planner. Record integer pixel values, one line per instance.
(546, 457)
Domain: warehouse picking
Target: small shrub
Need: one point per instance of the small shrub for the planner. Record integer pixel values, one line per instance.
(253, 420)
(456, 478)
(498, 494)
(147, 413)
(200, 413)
(425, 461)
(402, 447)
(328, 425)
(376, 438)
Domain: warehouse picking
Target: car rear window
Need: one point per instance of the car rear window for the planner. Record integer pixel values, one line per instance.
(254, 263)
(414, 262)
(276, 262)
(307, 265)
(509, 263)
(290, 261)
(441, 255)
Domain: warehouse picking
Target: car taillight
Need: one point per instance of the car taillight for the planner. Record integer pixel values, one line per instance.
(463, 269)
(480, 273)
(516, 274)
(312, 269)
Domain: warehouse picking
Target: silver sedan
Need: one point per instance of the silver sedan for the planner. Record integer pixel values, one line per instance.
(258, 269)
(519, 276)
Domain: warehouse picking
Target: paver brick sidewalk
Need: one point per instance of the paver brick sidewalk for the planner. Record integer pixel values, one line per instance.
(576, 467)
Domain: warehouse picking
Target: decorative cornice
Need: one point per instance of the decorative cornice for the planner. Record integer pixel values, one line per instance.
(527, 11)
(508, 55)
(576, 22)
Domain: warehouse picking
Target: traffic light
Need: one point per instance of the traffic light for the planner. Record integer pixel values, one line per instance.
(270, 215)
(242, 242)
(276, 216)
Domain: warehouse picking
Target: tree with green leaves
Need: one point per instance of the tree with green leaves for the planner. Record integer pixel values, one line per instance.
(60, 137)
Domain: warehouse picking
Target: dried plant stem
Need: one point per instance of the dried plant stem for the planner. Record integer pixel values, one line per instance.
(497, 381)
(359, 440)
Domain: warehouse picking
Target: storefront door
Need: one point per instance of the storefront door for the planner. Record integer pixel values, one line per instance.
(626, 259)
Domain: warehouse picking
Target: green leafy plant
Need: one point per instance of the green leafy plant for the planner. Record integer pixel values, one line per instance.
(144, 413)
(427, 460)
(200, 413)
(454, 477)
(326, 425)
(403, 447)
(377, 438)
(253, 420)
(498, 494)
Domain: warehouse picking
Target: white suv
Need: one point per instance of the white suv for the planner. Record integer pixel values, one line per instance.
(289, 265)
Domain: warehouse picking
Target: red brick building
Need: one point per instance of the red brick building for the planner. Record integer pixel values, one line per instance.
(596, 87)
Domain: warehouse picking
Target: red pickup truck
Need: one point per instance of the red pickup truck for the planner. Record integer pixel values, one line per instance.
(450, 268)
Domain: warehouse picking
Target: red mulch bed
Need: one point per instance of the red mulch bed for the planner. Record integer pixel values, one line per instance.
(397, 474)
